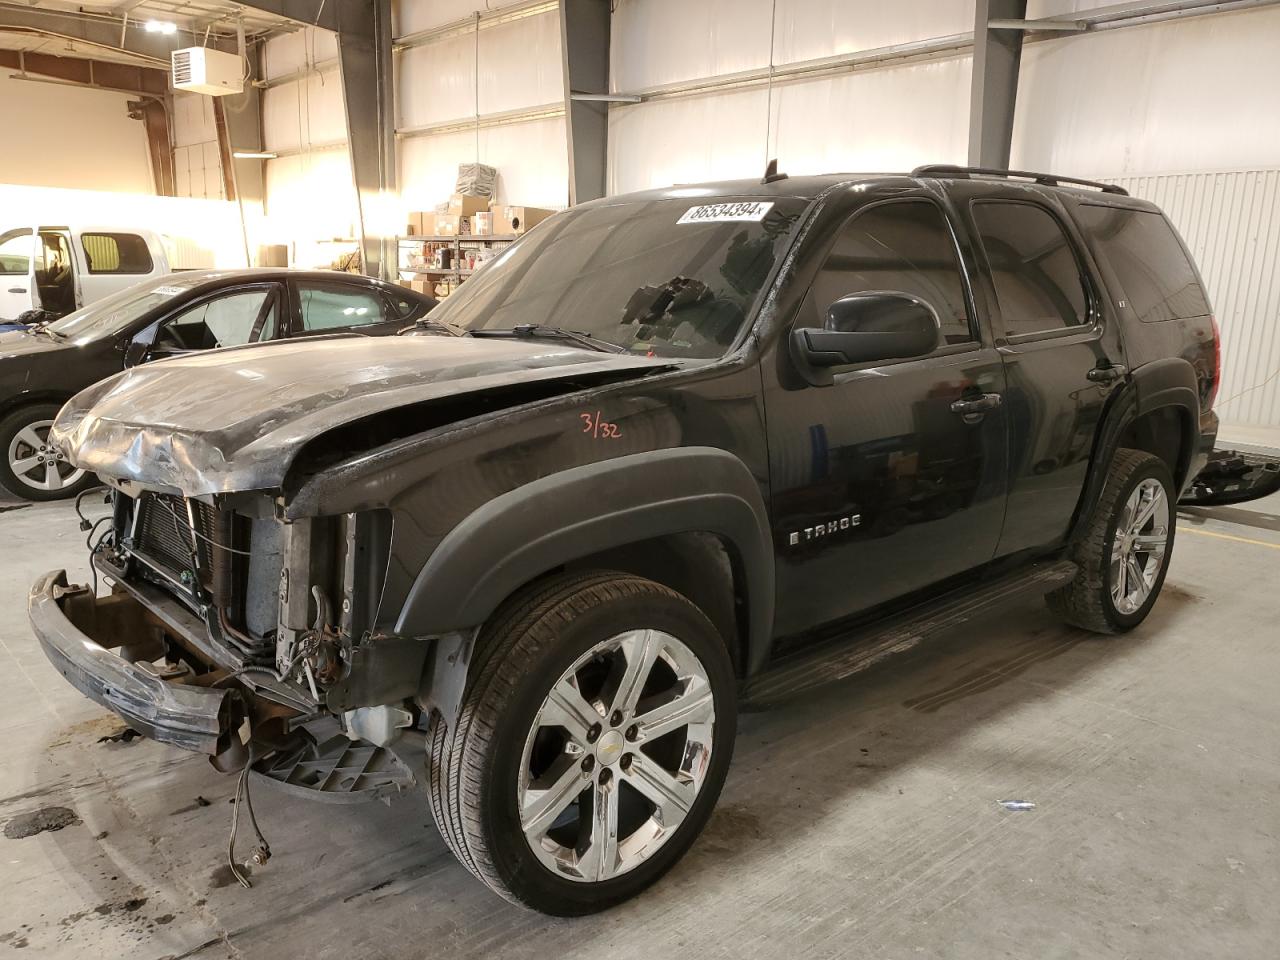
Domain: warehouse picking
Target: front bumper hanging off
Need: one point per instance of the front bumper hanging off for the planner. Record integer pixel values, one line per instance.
(102, 646)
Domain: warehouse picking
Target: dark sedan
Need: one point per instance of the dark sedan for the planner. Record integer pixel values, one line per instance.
(43, 366)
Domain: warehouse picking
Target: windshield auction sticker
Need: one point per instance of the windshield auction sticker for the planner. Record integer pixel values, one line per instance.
(753, 211)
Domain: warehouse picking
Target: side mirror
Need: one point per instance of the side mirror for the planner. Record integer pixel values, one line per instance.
(137, 349)
(869, 327)
(135, 352)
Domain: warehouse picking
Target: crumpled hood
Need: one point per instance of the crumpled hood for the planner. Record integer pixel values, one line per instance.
(232, 420)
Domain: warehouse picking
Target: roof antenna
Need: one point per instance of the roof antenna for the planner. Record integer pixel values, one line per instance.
(771, 172)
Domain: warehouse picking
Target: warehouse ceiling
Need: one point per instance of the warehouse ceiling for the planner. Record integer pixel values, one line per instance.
(191, 16)
(138, 33)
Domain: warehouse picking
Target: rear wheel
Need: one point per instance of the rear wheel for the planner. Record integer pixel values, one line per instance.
(1124, 554)
(30, 467)
(591, 745)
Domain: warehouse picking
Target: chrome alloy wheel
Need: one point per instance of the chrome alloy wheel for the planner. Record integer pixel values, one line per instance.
(1140, 546)
(616, 756)
(36, 463)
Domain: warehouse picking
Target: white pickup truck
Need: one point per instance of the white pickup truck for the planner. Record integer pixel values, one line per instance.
(47, 272)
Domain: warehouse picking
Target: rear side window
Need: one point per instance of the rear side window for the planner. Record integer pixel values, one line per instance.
(903, 245)
(117, 253)
(1037, 277)
(1155, 275)
(330, 307)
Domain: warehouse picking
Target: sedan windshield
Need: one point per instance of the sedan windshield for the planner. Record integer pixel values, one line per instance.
(668, 278)
(115, 313)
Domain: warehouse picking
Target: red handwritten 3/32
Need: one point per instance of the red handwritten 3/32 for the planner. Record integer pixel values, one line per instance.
(599, 428)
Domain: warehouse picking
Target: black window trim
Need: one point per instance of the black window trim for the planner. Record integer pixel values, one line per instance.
(1093, 325)
(945, 349)
(115, 235)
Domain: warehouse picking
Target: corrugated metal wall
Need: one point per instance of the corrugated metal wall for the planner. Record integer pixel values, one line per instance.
(1231, 222)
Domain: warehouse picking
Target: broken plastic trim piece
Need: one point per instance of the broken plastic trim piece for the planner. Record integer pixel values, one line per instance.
(1233, 476)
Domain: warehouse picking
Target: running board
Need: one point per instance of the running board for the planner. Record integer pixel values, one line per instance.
(856, 651)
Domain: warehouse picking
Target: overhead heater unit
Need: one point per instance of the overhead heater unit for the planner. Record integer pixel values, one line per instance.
(201, 70)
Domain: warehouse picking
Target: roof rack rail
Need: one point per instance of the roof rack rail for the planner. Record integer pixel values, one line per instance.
(1045, 179)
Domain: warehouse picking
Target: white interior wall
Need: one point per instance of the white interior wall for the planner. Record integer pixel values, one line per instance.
(61, 136)
(436, 83)
(874, 119)
(1174, 97)
(310, 198)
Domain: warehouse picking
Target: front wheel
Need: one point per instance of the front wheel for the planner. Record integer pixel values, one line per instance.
(30, 467)
(1124, 553)
(591, 745)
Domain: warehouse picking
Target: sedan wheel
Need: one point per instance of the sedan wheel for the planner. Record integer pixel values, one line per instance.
(31, 467)
(36, 464)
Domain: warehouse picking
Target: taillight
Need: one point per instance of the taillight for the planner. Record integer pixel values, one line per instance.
(1217, 365)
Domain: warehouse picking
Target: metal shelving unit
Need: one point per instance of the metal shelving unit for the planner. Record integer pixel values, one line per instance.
(455, 241)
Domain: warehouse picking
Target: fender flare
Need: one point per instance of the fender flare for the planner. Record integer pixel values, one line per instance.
(564, 516)
(1170, 382)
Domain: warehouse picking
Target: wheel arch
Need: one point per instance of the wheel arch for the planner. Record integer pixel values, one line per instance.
(31, 398)
(1156, 412)
(688, 503)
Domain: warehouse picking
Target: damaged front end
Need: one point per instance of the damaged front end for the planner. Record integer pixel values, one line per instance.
(228, 630)
(229, 573)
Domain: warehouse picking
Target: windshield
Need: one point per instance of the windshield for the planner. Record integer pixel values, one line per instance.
(668, 278)
(115, 313)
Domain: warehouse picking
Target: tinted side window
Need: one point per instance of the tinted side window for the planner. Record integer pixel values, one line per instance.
(334, 308)
(904, 245)
(1154, 273)
(1033, 267)
(116, 253)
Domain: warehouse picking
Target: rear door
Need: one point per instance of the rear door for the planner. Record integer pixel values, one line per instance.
(111, 260)
(17, 272)
(1061, 350)
(337, 306)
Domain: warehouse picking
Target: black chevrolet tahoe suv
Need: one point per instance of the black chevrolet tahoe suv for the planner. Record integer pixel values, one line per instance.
(664, 454)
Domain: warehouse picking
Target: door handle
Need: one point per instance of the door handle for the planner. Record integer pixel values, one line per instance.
(17, 289)
(988, 401)
(1107, 374)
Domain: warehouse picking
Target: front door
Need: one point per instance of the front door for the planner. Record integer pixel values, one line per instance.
(892, 478)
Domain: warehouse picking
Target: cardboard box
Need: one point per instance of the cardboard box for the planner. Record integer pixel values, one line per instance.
(482, 224)
(449, 225)
(421, 223)
(461, 205)
(519, 219)
(421, 286)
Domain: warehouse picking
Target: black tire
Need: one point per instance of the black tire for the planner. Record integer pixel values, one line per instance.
(474, 767)
(10, 425)
(1087, 601)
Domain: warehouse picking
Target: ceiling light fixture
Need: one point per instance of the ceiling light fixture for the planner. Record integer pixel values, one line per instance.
(253, 155)
(166, 27)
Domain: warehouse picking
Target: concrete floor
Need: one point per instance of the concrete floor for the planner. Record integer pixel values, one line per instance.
(861, 821)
